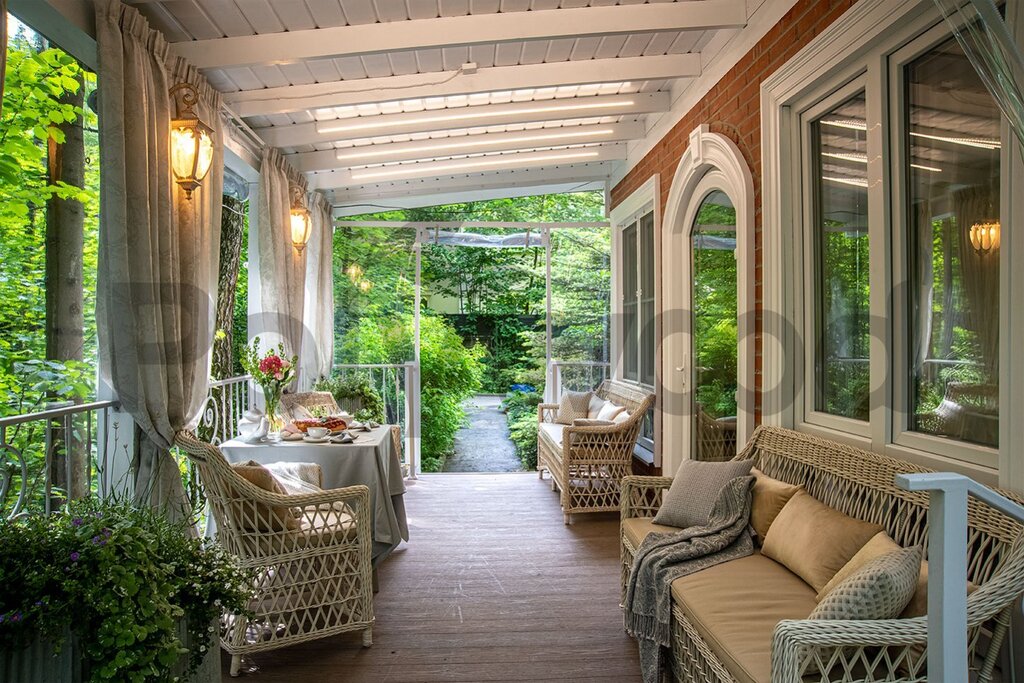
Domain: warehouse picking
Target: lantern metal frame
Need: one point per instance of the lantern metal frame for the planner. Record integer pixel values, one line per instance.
(186, 97)
(299, 209)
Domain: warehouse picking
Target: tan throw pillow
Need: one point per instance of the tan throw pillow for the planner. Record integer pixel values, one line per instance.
(814, 541)
(596, 403)
(609, 412)
(695, 489)
(768, 498)
(918, 605)
(259, 516)
(880, 589)
(879, 545)
(573, 406)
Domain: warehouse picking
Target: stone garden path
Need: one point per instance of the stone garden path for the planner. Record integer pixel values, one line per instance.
(483, 444)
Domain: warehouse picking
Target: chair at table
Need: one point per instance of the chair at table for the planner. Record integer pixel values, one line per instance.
(311, 556)
(716, 438)
(295, 406)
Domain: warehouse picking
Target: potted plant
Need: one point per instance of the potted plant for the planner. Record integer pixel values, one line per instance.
(105, 591)
(272, 372)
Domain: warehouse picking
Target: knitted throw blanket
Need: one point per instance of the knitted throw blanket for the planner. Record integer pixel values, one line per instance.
(663, 558)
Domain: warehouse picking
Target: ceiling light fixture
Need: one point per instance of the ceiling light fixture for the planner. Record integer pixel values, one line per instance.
(445, 144)
(495, 163)
(325, 127)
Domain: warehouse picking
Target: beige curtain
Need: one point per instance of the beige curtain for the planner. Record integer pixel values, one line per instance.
(924, 242)
(980, 273)
(317, 355)
(157, 251)
(282, 268)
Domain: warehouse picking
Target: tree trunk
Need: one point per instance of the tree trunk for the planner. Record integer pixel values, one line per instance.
(65, 221)
(232, 230)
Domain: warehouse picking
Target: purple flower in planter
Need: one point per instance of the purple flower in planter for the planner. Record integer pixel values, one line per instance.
(107, 532)
(3, 618)
(95, 540)
(16, 617)
(77, 521)
(75, 556)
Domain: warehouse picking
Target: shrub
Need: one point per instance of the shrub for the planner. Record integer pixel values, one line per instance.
(521, 413)
(119, 578)
(355, 389)
(450, 373)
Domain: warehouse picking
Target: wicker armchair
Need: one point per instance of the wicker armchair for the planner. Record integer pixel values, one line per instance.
(308, 400)
(716, 438)
(311, 553)
(859, 484)
(586, 464)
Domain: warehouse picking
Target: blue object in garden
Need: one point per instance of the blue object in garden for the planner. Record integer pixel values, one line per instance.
(525, 388)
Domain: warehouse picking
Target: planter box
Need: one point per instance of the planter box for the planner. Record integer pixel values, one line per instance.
(37, 663)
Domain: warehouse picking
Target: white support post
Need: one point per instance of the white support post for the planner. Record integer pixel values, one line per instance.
(947, 572)
(415, 413)
(550, 379)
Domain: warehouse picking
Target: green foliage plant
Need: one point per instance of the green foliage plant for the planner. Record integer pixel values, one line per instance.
(119, 579)
(355, 388)
(521, 412)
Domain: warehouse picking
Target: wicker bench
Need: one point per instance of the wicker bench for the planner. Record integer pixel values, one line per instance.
(587, 464)
(860, 484)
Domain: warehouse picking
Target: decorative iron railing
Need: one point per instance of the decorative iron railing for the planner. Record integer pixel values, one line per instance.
(55, 455)
(225, 404)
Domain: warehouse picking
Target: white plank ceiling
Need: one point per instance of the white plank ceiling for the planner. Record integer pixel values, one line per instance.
(498, 78)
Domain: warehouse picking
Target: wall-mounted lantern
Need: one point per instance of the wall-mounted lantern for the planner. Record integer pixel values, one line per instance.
(300, 220)
(985, 236)
(191, 140)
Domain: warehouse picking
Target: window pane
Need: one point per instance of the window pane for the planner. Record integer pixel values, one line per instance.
(839, 140)
(648, 342)
(714, 321)
(953, 150)
(629, 306)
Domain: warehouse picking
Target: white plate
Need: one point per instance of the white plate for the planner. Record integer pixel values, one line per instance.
(313, 439)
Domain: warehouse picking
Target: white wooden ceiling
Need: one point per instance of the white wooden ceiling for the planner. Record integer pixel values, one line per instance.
(384, 98)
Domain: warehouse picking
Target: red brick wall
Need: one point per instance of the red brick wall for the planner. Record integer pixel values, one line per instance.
(733, 108)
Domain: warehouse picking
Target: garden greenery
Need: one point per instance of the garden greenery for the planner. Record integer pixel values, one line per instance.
(119, 579)
(355, 389)
(521, 410)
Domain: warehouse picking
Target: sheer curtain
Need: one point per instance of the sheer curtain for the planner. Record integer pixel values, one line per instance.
(282, 268)
(317, 355)
(980, 274)
(157, 249)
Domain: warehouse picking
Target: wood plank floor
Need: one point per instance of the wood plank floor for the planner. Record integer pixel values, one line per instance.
(491, 587)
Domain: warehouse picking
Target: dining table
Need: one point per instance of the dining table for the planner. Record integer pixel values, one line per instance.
(371, 460)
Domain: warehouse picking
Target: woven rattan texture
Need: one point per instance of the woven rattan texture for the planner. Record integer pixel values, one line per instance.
(860, 484)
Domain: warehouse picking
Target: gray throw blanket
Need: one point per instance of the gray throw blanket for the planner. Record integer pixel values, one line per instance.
(663, 558)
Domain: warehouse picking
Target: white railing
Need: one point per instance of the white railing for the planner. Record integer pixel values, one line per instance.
(398, 385)
(226, 402)
(572, 375)
(947, 564)
(54, 455)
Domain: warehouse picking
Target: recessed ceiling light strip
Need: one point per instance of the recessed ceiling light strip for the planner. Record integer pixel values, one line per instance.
(488, 164)
(447, 144)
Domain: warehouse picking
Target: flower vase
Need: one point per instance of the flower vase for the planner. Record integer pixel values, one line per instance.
(274, 420)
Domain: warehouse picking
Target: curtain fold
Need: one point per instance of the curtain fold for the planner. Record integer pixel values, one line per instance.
(317, 356)
(980, 273)
(157, 250)
(282, 268)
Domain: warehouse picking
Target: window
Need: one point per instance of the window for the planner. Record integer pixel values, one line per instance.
(841, 262)
(952, 149)
(638, 313)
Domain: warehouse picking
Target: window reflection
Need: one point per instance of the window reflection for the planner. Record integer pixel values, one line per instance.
(842, 372)
(953, 147)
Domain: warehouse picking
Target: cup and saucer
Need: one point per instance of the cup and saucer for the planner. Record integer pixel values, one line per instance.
(317, 435)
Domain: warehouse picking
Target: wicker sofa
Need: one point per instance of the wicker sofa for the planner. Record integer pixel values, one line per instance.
(587, 464)
(745, 620)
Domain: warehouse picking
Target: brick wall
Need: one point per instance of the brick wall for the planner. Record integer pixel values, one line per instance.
(733, 109)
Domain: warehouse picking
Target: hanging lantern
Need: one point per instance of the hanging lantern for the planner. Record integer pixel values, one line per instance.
(299, 219)
(191, 140)
(985, 236)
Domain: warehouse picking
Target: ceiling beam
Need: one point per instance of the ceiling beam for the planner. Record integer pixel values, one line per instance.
(431, 120)
(353, 201)
(291, 98)
(464, 144)
(468, 30)
(523, 163)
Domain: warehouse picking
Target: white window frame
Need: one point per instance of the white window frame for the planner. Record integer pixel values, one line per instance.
(873, 37)
(643, 200)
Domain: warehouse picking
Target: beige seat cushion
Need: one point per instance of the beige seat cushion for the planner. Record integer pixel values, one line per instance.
(735, 606)
(814, 541)
(767, 499)
(552, 432)
(636, 529)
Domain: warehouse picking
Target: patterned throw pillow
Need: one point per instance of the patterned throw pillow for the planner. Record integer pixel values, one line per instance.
(878, 590)
(695, 489)
(573, 406)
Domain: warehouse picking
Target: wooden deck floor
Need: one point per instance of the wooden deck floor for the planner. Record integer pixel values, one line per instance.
(491, 587)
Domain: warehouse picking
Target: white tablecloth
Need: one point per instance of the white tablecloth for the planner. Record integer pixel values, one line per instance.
(370, 460)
